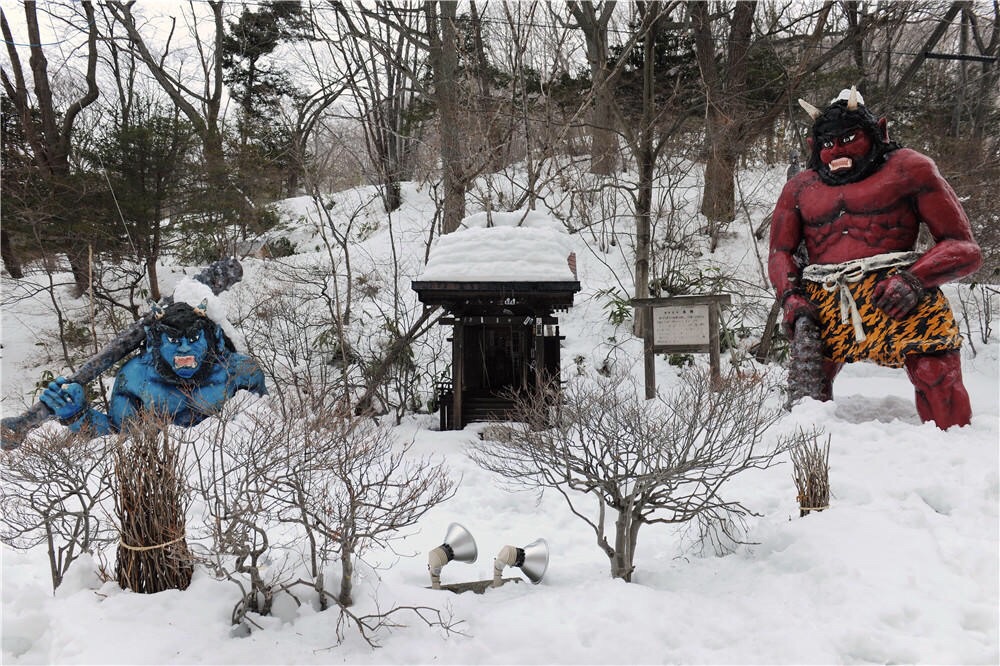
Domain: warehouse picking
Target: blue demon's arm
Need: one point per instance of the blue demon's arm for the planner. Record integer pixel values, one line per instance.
(248, 374)
(241, 372)
(68, 402)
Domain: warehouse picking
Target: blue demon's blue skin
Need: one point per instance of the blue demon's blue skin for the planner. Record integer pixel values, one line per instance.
(139, 386)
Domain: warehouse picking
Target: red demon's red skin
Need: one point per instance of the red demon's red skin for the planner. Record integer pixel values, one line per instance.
(875, 215)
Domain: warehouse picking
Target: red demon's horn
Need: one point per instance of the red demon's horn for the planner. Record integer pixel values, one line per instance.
(813, 112)
(852, 101)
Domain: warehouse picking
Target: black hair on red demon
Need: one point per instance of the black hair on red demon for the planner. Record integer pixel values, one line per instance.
(839, 119)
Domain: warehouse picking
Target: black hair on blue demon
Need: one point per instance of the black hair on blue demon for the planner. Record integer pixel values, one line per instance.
(181, 319)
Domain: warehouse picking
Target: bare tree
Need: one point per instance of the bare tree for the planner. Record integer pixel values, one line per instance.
(731, 122)
(231, 465)
(366, 489)
(648, 140)
(384, 81)
(200, 98)
(431, 28)
(988, 46)
(443, 57)
(304, 118)
(337, 485)
(202, 108)
(663, 461)
(593, 20)
(53, 492)
(48, 130)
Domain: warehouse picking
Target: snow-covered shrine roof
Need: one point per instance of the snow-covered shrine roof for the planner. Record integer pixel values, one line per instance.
(522, 246)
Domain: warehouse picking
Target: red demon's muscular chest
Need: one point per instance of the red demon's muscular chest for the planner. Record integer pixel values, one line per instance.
(865, 218)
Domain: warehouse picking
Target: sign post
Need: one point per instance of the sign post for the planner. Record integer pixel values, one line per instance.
(680, 325)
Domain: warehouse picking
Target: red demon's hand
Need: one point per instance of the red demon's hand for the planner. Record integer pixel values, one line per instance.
(899, 294)
(796, 306)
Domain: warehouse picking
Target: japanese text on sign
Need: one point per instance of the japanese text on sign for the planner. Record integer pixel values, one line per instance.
(680, 325)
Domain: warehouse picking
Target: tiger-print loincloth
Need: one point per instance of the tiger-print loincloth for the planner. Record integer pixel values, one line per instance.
(929, 328)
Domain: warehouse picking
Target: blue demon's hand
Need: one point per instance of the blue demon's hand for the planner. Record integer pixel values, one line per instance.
(66, 400)
(898, 294)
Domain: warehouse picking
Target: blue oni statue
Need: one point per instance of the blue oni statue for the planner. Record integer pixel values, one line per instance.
(186, 370)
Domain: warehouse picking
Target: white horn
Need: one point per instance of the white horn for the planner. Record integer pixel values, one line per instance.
(852, 100)
(813, 112)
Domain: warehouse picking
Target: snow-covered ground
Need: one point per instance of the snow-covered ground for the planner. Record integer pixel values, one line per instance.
(902, 568)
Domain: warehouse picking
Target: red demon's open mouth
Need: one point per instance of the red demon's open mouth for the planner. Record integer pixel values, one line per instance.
(184, 362)
(841, 163)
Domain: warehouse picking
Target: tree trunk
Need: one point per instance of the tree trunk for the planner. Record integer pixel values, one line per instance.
(201, 109)
(346, 597)
(154, 283)
(444, 64)
(493, 124)
(393, 194)
(729, 124)
(51, 146)
(963, 80)
(379, 374)
(767, 338)
(626, 536)
(603, 139)
(646, 163)
(718, 202)
(79, 264)
(900, 87)
(643, 223)
(10, 259)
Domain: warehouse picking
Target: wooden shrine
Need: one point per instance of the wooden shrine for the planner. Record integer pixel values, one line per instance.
(505, 338)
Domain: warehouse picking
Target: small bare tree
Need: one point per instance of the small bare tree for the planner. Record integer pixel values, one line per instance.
(659, 461)
(52, 492)
(370, 489)
(978, 302)
(286, 490)
(230, 464)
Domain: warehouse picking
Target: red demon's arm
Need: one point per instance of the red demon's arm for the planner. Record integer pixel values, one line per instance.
(955, 254)
(786, 234)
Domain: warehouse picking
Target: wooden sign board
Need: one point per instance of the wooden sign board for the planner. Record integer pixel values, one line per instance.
(680, 328)
(680, 325)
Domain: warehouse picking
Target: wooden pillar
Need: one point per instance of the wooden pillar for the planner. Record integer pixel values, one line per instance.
(539, 354)
(457, 374)
(713, 346)
(648, 357)
(524, 350)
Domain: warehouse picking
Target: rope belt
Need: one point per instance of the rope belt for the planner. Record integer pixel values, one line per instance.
(837, 277)
(122, 543)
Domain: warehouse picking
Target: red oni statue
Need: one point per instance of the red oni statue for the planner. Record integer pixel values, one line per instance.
(863, 288)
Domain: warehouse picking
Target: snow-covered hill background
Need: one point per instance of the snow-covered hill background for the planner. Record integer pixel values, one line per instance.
(903, 567)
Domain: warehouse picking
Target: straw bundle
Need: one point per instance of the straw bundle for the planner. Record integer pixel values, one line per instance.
(811, 462)
(150, 502)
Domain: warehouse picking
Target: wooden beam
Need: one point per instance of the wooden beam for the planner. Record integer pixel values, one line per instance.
(457, 375)
(648, 357)
(538, 332)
